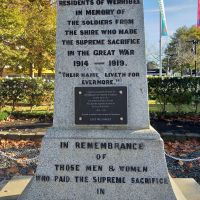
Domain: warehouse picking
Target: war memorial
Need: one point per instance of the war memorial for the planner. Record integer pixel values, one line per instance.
(101, 145)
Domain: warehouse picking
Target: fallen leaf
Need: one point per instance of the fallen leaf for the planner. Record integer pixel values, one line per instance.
(180, 162)
(13, 170)
(31, 171)
(189, 165)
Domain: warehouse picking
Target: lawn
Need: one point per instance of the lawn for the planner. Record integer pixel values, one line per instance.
(153, 107)
(21, 110)
(156, 107)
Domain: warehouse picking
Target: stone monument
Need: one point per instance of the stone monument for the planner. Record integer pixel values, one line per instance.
(101, 146)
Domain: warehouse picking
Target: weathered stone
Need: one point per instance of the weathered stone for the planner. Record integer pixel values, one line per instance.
(101, 65)
(101, 165)
(101, 146)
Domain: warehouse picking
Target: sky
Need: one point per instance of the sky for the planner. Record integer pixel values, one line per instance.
(178, 13)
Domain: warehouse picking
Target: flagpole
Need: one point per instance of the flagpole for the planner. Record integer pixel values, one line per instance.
(160, 51)
(198, 14)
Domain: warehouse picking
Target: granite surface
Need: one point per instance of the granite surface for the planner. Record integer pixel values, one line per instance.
(97, 160)
(82, 168)
(69, 76)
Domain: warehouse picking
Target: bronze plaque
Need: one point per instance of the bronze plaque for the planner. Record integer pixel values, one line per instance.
(100, 105)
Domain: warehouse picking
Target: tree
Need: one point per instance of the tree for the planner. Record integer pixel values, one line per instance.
(152, 65)
(11, 28)
(38, 38)
(181, 48)
(28, 35)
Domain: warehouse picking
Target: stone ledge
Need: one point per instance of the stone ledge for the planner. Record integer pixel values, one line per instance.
(184, 188)
(189, 187)
(41, 134)
(146, 134)
(14, 187)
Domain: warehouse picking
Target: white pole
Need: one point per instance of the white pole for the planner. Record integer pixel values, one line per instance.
(160, 55)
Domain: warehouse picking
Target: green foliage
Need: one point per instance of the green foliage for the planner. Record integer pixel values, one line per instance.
(14, 90)
(34, 92)
(49, 94)
(195, 92)
(181, 50)
(31, 91)
(174, 92)
(27, 35)
(177, 91)
(180, 92)
(11, 29)
(39, 36)
(2, 95)
(160, 89)
(4, 115)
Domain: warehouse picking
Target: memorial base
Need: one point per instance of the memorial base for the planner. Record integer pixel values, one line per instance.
(101, 164)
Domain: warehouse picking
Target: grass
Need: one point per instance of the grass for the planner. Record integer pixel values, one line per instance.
(153, 107)
(43, 112)
(36, 109)
(42, 116)
(23, 112)
(172, 109)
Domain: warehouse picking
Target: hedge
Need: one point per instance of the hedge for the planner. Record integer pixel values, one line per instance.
(34, 92)
(175, 91)
(26, 91)
(4, 115)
